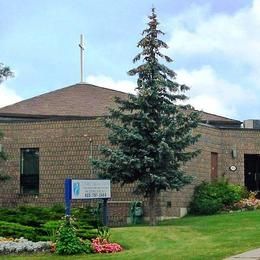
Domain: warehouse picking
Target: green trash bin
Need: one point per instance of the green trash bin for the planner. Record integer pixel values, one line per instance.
(136, 212)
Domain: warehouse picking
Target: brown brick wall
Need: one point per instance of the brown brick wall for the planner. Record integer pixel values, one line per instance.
(199, 168)
(65, 153)
(221, 141)
(245, 141)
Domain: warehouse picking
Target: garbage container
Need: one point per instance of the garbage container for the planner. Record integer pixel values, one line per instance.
(136, 212)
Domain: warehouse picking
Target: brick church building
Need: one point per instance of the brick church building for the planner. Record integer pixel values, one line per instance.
(53, 136)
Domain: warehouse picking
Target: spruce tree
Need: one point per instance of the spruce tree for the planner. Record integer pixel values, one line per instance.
(150, 132)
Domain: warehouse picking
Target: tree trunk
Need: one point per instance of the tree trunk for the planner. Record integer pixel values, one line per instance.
(152, 208)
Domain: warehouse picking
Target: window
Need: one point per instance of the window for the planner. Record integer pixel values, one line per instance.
(29, 172)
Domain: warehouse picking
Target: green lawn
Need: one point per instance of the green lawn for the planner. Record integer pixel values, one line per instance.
(211, 237)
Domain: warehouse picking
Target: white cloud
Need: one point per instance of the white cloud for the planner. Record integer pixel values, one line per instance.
(212, 94)
(234, 36)
(8, 96)
(208, 92)
(212, 105)
(107, 82)
(233, 42)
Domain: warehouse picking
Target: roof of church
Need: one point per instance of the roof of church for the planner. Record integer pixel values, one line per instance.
(84, 100)
(79, 100)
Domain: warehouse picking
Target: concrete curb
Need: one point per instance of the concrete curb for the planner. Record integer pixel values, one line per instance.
(253, 254)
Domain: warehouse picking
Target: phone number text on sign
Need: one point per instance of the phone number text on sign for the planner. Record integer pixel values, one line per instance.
(90, 189)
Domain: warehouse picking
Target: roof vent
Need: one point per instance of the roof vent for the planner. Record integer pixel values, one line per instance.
(252, 123)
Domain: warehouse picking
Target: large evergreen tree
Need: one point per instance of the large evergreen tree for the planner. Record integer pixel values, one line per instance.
(5, 72)
(150, 132)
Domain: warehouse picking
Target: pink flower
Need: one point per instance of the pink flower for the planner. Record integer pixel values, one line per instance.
(100, 245)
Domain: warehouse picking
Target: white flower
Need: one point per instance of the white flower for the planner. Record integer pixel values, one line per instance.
(22, 245)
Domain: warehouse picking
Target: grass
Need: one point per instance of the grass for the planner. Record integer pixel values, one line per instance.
(198, 238)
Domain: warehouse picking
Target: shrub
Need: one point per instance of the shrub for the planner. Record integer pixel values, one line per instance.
(36, 216)
(45, 222)
(86, 233)
(230, 193)
(209, 198)
(205, 206)
(16, 230)
(31, 216)
(87, 246)
(67, 241)
(51, 227)
(87, 215)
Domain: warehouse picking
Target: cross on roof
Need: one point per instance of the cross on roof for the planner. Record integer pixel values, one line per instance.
(82, 48)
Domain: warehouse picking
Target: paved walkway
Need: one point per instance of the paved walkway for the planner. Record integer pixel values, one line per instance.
(253, 254)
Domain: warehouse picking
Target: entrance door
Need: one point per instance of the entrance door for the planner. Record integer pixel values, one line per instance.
(252, 171)
(214, 167)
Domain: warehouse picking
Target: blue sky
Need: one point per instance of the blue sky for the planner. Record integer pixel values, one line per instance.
(215, 46)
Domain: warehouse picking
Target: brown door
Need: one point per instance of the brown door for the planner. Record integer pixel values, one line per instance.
(214, 167)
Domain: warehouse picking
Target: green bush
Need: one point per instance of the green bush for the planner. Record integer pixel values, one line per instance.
(87, 246)
(67, 241)
(210, 198)
(31, 216)
(86, 232)
(205, 206)
(37, 216)
(17, 230)
(51, 227)
(45, 221)
(87, 215)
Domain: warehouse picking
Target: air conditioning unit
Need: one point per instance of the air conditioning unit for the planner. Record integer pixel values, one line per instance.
(252, 123)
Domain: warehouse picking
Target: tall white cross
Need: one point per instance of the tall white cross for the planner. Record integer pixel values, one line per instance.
(82, 48)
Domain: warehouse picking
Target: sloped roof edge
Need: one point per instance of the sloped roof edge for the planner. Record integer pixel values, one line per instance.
(81, 100)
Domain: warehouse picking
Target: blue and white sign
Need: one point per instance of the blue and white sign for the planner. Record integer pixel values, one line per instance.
(90, 189)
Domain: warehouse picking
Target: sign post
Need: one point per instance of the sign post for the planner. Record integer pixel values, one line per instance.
(67, 196)
(105, 214)
(88, 189)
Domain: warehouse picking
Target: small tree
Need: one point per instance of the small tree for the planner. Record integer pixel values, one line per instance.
(150, 132)
(5, 72)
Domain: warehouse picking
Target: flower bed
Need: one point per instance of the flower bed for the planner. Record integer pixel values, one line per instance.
(100, 245)
(19, 245)
(250, 203)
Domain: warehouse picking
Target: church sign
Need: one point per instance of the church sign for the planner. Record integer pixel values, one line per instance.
(90, 189)
(87, 189)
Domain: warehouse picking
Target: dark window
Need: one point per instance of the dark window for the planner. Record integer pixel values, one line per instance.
(252, 172)
(29, 171)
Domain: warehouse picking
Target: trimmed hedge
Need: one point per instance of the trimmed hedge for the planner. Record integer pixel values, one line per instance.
(31, 216)
(41, 223)
(16, 230)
